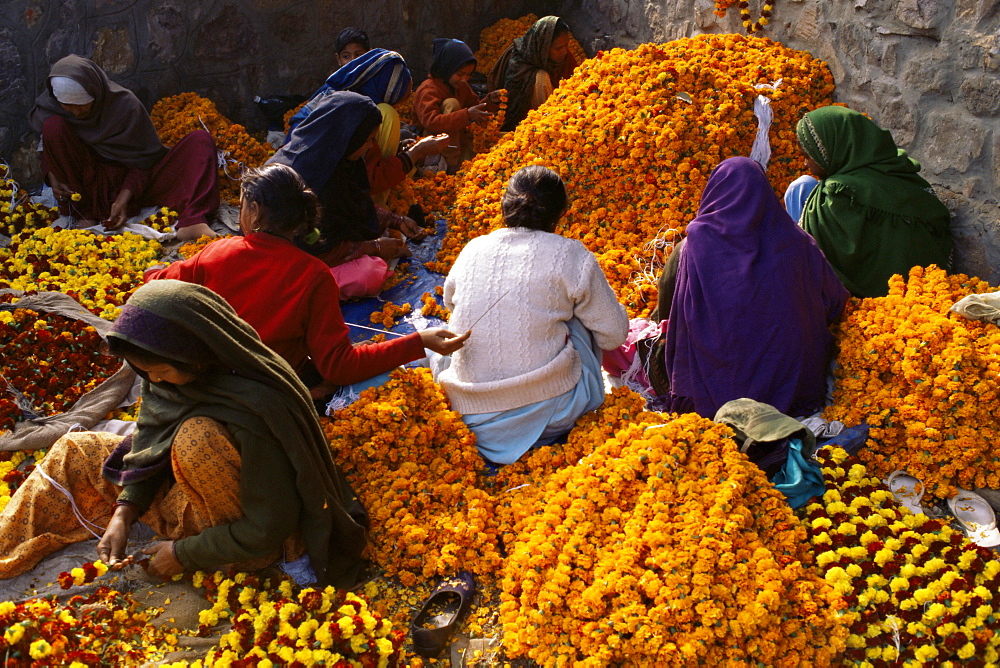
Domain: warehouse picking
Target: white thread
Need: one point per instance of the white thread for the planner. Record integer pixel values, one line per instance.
(373, 329)
(340, 401)
(84, 522)
(223, 159)
(652, 264)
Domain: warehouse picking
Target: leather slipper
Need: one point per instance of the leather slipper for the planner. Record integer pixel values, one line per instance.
(441, 613)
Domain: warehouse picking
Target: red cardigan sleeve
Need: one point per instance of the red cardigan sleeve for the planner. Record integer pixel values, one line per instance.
(384, 172)
(337, 359)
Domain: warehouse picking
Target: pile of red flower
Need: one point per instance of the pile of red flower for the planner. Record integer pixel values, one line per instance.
(50, 361)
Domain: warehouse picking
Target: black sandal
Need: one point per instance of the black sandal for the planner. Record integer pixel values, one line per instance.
(440, 615)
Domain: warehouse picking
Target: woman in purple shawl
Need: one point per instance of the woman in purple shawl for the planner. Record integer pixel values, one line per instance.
(753, 302)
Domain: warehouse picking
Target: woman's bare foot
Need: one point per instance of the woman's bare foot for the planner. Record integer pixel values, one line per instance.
(192, 232)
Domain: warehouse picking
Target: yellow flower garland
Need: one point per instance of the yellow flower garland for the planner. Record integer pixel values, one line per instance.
(100, 272)
(613, 540)
(918, 590)
(666, 546)
(17, 212)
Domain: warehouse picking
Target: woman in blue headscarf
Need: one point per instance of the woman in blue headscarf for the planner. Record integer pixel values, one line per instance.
(326, 149)
(445, 102)
(383, 77)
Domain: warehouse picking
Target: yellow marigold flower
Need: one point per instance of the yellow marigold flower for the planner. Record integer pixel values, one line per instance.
(14, 633)
(40, 649)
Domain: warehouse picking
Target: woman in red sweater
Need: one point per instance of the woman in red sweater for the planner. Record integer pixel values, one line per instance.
(289, 296)
(445, 103)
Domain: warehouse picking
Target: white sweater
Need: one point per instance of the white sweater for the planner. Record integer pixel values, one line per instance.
(519, 352)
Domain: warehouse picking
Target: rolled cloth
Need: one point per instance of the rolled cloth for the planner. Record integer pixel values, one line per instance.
(68, 91)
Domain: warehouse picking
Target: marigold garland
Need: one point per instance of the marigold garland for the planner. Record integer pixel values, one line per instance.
(273, 624)
(15, 467)
(567, 596)
(177, 116)
(751, 26)
(413, 463)
(192, 248)
(487, 135)
(17, 212)
(666, 546)
(926, 380)
(918, 590)
(635, 135)
(50, 360)
(435, 193)
(81, 575)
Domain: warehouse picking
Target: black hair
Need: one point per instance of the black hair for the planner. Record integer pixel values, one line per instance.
(535, 198)
(351, 36)
(286, 202)
(121, 348)
(561, 27)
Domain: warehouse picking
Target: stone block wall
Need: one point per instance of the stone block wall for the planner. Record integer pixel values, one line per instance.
(928, 70)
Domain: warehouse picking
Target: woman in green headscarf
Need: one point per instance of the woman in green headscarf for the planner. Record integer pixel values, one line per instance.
(532, 67)
(228, 462)
(870, 213)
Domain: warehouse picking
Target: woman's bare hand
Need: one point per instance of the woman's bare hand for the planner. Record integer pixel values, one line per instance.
(442, 341)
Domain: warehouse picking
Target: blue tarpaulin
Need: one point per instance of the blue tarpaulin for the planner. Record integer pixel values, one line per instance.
(418, 280)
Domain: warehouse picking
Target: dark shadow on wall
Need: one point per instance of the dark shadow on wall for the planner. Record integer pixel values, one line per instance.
(225, 50)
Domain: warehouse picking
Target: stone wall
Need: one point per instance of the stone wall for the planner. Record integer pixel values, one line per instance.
(928, 70)
(226, 50)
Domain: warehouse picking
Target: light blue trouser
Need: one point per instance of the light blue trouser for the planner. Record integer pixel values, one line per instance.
(504, 436)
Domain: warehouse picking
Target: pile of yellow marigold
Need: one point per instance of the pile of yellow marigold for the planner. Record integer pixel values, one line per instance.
(635, 135)
(17, 212)
(918, 590)
(925, 379)
(100, 272)
(177, 116)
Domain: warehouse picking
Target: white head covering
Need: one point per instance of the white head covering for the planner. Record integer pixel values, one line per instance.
(68, 91)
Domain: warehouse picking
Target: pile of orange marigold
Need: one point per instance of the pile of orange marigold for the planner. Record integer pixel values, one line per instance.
(635, 135)
(177, 116)
(925, 379)
(644, 538)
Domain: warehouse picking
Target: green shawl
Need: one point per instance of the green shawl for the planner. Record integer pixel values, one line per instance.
(254, 389)
(872, 215)
(516, 67)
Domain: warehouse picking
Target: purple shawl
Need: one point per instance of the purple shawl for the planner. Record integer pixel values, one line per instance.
(753, 303)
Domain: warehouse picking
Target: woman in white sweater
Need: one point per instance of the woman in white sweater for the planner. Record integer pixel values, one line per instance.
(541, 311)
